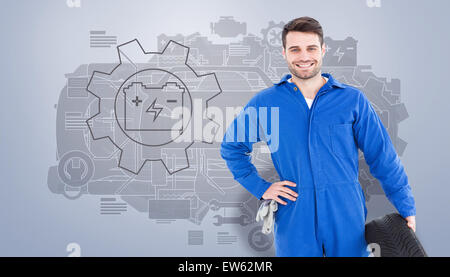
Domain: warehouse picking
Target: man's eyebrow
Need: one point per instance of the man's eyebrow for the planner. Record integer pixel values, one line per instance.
(312, 45)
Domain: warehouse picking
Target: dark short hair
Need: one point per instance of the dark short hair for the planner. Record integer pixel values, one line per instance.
(303, 24)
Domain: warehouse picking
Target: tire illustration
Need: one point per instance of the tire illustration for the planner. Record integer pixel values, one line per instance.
(394, 237)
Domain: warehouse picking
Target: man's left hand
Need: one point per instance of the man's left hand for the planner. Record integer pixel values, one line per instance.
(411, 222)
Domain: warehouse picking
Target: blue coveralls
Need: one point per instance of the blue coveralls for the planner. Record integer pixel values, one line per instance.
(318, 150)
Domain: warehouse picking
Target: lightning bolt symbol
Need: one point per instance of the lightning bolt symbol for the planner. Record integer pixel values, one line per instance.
(339, 54)
(153, 109)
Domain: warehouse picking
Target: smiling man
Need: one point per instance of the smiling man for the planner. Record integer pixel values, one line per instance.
(322, 123)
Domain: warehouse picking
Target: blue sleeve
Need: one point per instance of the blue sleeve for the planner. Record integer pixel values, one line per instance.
(236, 149)
(384, 163)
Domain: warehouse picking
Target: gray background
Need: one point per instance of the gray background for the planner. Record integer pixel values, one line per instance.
(42, 41)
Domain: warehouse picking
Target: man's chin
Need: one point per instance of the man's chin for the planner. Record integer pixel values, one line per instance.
(306, 75)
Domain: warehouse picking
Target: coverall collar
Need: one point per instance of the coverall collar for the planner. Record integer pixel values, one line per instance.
(331, 82)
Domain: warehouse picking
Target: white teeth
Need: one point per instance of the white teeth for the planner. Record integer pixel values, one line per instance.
(304, 65)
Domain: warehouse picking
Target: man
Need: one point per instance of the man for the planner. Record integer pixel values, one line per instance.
(322, 123)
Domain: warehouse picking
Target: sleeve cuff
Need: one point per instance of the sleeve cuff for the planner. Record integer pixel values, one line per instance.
(405, 214)
(404, 202)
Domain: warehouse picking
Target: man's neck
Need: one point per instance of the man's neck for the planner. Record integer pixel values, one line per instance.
(309, 87)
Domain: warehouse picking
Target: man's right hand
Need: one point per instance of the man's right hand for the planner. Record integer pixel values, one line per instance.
(279, 189)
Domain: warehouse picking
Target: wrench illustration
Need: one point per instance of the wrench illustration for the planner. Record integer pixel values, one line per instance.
(215, 205)
(242, 220)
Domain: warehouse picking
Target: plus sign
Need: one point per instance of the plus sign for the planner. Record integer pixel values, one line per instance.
(136, 101)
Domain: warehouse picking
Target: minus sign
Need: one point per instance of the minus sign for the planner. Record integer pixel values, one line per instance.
(171, 101)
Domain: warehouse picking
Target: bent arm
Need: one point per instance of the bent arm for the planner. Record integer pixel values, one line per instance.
(236, 148)
(384, 163)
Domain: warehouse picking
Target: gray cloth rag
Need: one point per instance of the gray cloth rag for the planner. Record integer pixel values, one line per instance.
(266, 213)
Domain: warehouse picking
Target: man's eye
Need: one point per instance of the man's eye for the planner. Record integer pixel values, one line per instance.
(294, 50)
(312, 49)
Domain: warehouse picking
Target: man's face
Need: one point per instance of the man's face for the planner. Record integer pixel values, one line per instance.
(303, 54)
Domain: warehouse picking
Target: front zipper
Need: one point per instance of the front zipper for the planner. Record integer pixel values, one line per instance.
(319, 93)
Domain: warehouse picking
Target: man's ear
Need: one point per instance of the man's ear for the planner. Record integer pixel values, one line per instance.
(283, 52)
(323, 49)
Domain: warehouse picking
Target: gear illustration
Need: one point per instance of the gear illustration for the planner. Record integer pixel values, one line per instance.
(152, 96)
(272, 36)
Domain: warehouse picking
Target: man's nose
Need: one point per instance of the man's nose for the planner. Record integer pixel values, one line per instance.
(304, 57)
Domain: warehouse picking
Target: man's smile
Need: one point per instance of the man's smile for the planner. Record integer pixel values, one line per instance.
(304, 65)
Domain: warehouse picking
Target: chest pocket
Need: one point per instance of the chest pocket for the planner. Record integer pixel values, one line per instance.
(342, 140)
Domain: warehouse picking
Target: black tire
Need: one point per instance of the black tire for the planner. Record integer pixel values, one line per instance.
(394, 237)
